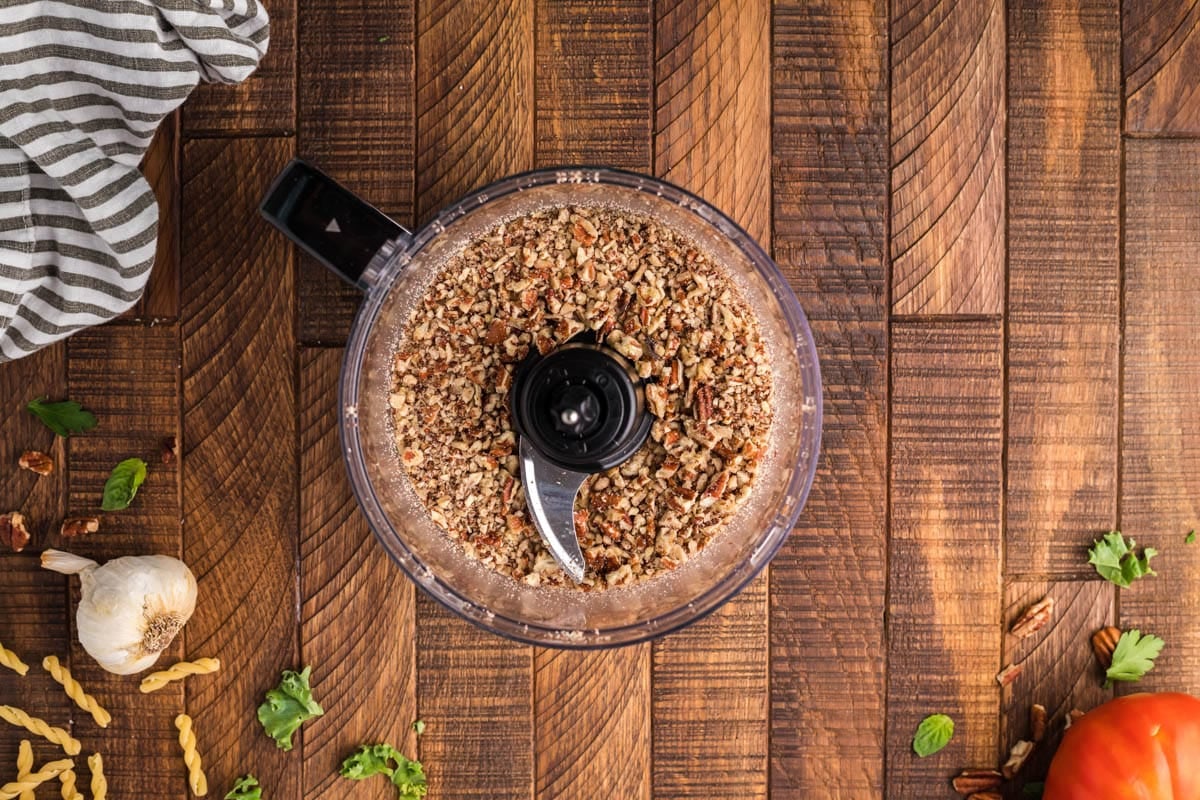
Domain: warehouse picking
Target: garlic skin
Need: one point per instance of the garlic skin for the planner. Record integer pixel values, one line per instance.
(130, 608)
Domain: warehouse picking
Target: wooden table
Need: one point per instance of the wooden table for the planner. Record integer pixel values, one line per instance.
(992, 218)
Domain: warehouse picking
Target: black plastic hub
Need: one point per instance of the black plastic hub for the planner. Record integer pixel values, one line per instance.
(581, 406)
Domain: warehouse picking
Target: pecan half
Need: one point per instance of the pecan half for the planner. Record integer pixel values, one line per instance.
(1034, 619)
(1016, 758)
(79, 526)
(13, 531)
(1009, 674)
(973, 781)
(1037, 722)
(1104, 642)
(36, 461)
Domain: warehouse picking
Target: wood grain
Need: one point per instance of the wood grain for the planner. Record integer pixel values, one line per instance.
(161, 168)
(265, 103)
(474, 97)
(346, 579)
(830, 199)
(1160, 488)
(1161, 50)
(34, 612)
(239, 454)
(712, 120)
(355, 121)
(592, 94)
(1060, 671)
(947, 72)
(1064, 282)
(594, 83)
(944, 596)
(128, 376)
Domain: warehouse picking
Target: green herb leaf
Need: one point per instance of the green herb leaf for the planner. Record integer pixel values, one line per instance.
(406, 775)
(383, 39)
(1133, 657)
(287, 706)
(1033, 789)
(246, 788)
(64, 418)
(933, 734)
(419, 726)
(1190, 538)
(123, 483)
(1117, 561)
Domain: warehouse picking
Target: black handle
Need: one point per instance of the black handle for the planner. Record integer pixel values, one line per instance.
(329, 221)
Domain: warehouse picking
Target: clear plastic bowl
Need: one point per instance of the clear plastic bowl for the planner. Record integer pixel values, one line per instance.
(556, 616)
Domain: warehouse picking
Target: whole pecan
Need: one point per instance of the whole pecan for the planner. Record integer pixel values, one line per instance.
(1034, 619)
(1104, 642)
(13, 531)
(973, 781)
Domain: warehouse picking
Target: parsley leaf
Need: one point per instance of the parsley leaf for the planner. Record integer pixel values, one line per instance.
(64, 418)
(1190, 538)
(288, 705)
(246, 788)
(933, 734)
(1117, 560)
(123, 483)
(407, 775)
(1133, 657)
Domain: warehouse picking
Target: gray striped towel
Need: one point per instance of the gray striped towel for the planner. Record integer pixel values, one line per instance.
(83, 86)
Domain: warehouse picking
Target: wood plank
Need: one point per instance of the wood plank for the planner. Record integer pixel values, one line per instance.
(160, 165)
(1160, 487)
(474, 124)
(830, 193)
(944, 558)
(712, 120)
(1161, 50)
(592, 106)
(474, 97)
(594, 84)
(947, 72)
(265, 103)
(1060, 671)
(34, 612)
(345, 579)
(128, 376)
(1064, 282)
(356, 122)
(239, 453)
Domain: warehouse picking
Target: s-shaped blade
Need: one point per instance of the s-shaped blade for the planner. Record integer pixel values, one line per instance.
(550, 493)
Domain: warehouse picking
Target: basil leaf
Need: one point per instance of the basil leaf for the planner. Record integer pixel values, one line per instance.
(64, 418)
(123, 483)
(933, 734)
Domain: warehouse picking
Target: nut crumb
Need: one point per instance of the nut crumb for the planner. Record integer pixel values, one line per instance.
(1016, 758)
(79, 526)
(1009, 674)
(1037, 722)
(13, 532)
(170, 450)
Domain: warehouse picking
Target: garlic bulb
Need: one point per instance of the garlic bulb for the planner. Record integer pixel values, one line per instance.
(130, 608)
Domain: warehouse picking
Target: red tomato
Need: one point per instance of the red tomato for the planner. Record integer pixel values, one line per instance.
(1139, 747)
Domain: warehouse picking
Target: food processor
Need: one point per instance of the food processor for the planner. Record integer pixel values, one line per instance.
(578, 409)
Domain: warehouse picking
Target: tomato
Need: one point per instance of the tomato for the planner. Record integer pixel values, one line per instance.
(1139, 747)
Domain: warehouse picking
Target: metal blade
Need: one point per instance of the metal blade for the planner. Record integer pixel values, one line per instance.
(550, 494)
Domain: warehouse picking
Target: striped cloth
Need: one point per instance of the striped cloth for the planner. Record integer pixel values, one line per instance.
(83, 86)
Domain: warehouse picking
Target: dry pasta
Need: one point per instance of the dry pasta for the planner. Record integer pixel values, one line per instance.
(58, 736)
(25, 766)
(50, 771)
(187, 740)
(99, 782)
(157, 680)
(62, 676)
(9, 659)
(69, 792)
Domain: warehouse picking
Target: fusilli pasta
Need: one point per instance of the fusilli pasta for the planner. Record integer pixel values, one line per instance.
(25, 766)
(69, 792)
(99, 783)
(157, 680)
(62, 676)
(58, 736)
(187, 740)
(48, 772)
(9, 659)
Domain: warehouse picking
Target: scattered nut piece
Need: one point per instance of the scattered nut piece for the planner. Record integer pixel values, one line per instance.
(973, 781)
(1073, 716)
(1104, 642)
(1034, 619)
(79, 526)
(13, 532)
(170, 450)
(1016, 758)
(36, 461)
(1009, 674)
(985, 796)
(1037, 722)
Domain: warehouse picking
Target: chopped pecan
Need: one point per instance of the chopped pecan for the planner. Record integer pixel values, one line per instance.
(704, 402)
(716, 488)
(36, 461)
(13, 532)
(1073, 716)
(1104, 642)
(1036, 617)
(496, 332)
(79, 526)
(985, 796)
(1037, 722)
(1009, 674)
(1016, 758)
(972, 781)
(170, 450)
(656, 400)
